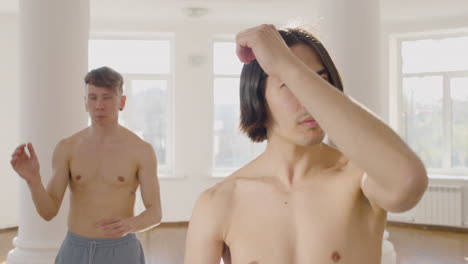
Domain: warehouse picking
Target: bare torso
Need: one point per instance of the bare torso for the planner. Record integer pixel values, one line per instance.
(325, 219)
(103, 181)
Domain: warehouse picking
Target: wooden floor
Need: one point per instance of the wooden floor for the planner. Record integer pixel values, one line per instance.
(413, 245)
(6, 242)
(419, 246)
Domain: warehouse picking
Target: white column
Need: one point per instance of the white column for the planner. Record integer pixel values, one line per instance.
(53, 61)
(351, 33)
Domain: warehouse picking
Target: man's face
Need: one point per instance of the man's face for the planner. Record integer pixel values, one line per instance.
(289, 120)
(103, 104)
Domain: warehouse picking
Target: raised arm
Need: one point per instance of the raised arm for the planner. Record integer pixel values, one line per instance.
(396, 178)
(47, 201)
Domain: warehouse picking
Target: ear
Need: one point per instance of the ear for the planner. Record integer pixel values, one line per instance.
(123, 99)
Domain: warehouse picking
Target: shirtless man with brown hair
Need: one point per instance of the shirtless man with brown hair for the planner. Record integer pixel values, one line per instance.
(103, 165)
(303, 201)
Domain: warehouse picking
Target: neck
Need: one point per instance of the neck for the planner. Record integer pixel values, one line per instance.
(104, 133)
(292, 163)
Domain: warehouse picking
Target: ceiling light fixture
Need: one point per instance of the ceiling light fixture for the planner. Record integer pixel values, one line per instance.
(196, 12)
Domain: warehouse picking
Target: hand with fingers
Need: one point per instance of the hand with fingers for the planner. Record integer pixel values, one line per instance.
(115, 227)
(265, 44)
(27, 166)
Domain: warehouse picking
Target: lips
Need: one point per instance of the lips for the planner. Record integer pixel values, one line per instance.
(309, 122)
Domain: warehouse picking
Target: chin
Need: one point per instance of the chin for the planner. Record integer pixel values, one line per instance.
(310, 140)
(309, 143)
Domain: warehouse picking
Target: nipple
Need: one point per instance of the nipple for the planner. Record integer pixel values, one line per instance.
(336, 256)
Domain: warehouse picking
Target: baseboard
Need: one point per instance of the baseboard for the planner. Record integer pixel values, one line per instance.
(452, 229)
(8, 229)
(400, 218)
(171, 225)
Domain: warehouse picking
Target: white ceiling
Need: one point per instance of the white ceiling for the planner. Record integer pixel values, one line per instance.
(392, 10)
(397, 10)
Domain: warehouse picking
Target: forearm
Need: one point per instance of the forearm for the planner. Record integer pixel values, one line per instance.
(45, 205)
(362, 137)
(147, 219)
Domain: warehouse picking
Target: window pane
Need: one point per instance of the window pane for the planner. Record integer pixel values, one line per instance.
(147, 114)
(435, 55)
(424, 132)
(225, 60)
(231, 149)
(131, 56)
(459, 96)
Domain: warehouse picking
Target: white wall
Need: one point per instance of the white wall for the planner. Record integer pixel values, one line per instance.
(9, 112)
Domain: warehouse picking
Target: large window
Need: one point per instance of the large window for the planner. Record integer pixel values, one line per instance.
(231, 149)
(147, 70)
(434, 89)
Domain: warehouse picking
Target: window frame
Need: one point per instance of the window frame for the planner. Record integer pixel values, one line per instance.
(398, 113)
(221, 172)
(166, 170)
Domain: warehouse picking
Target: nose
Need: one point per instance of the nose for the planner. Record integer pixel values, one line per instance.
(298, 107)
(100, 104)
(302, 108)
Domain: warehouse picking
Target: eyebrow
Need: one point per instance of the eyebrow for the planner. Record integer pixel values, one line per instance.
(104, 94)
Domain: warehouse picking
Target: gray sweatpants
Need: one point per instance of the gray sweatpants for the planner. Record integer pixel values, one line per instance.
(83, 250)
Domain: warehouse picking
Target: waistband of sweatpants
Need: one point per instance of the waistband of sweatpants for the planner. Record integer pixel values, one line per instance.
(82, 241)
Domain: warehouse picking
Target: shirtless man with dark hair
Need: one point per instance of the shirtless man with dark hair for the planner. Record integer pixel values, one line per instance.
(303, 201)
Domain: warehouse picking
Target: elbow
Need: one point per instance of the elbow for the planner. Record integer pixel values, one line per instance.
(155, 221)
(47, 216)
(48, 213)
(410, 192)
(158, 218)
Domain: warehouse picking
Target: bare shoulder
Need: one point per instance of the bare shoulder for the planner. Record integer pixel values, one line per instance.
(339, 162)
(218, 196)
(222, 196)
(66, 145)
(344, 170)
(76, 138)
(214, 204)
(135, 146)
(136, 143)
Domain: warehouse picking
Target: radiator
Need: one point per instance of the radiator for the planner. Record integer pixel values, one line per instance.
(440, 205)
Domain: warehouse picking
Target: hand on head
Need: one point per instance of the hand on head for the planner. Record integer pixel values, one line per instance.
(265, 44)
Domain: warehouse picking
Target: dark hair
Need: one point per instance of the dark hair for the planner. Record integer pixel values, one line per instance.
(107, 78)
(253, 105)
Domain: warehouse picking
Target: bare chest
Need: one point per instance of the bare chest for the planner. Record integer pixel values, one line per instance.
(112, 166)
(316, 225)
